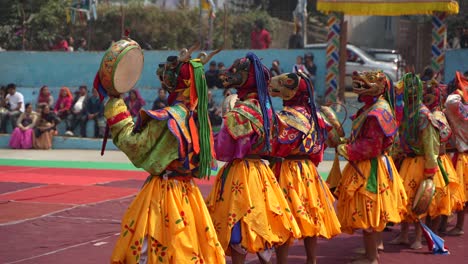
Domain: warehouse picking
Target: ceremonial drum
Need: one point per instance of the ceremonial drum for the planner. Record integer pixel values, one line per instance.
(337, 131)
(423, 197)
(121, 67)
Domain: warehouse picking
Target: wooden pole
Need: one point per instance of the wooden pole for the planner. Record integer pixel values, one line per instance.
(342, 62)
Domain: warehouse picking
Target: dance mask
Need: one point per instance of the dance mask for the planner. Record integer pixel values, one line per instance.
(170, 71)
(285, 86)
(370, 83)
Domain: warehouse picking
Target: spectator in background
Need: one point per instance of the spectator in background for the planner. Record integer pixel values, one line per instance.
(296, 41)
(71, 42)
(3, 109)
(62, 45)
(259, 37)
(45, 128)
(455, 43)
(213, 111)
(134, 102)
(275, 68)
(64, 103)
(77, 117)
(427, 74)
(221, 67)
(464, 39)
(299, 66)
(95, 112)
(161, 101)
(82, 46)
(15, 105)
(44, 97)
(211, 76)
(23, 135)
(310, 66)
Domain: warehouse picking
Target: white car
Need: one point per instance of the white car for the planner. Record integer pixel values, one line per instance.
(359, 60)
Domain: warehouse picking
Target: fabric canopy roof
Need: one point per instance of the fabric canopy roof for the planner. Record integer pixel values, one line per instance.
(388, 7)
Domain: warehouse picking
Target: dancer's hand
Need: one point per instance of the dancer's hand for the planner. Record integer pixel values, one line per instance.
(341, 149)
(429, 176)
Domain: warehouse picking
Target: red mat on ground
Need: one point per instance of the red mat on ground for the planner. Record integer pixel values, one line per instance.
(14, 211)
(74, 176)
(68, 172)
(68, 194)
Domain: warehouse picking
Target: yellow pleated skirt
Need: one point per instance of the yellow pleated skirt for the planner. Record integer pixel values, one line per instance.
(457, 193)
(360, 208)
(412, 171)
(462, 172)
(249, 193)
(309, 198)
(171, 218)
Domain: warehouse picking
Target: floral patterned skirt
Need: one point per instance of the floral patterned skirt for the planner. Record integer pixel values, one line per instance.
(246, 193)
(412, 172)
(170, 219)
(372, 201)
(309, 198)
(461, 166)
(457, 193)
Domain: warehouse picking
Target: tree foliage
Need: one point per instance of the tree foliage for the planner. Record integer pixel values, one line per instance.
(46, 22)
(31, 24)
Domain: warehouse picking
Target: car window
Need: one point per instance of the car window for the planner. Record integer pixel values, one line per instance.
(386, 56)
(351, 56)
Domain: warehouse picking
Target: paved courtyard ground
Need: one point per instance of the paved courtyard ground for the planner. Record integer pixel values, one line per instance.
(65, 206)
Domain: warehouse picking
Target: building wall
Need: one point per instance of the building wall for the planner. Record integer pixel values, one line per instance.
(455, 60)
(372, 31)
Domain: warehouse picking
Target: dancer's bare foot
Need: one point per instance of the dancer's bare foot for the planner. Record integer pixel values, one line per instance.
(400, 240)
(362, 251)
(364, 260)
(456, 231)
(416, 245)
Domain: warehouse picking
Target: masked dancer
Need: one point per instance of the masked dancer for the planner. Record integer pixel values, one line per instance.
(168, 221)
(419, 141)
(370, 193)
(457, 114)
(300, 142)
(247, 206)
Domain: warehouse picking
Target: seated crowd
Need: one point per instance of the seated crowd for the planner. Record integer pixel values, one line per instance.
(35, 128)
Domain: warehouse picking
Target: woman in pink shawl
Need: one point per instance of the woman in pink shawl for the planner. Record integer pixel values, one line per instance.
(64, 103)
(134, 102)
(23, 135)
(45, 97)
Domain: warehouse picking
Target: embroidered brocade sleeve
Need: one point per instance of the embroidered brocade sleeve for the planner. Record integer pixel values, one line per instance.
(431, 142)
(370, 142)
(153, 148)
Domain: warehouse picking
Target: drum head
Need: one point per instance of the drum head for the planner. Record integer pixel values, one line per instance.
(128, 70)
